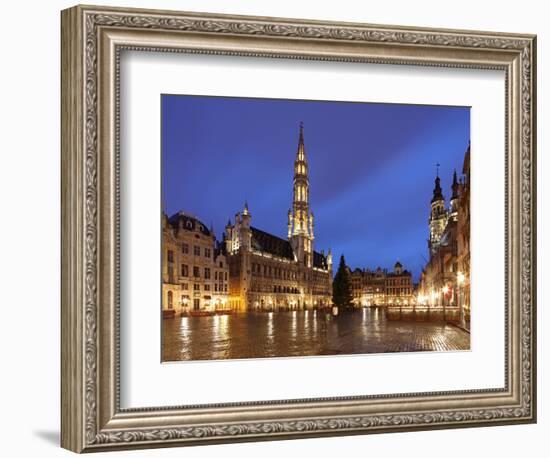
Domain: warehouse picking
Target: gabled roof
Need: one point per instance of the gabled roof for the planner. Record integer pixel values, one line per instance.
(268, 243)
(320, 260)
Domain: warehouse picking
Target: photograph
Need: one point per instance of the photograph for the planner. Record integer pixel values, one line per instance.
(308, 228)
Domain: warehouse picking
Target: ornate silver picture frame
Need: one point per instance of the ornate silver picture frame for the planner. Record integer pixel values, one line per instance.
(93, 39)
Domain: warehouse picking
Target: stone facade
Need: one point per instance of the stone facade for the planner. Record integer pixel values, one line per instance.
(195, 275)
(463, 254)
(445, 278)
(399, 286)
(381, 287)
(267, 272)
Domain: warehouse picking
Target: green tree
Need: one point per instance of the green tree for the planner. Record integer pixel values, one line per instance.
(342, 295)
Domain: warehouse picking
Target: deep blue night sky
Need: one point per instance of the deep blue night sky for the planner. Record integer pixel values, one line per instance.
(371, 168)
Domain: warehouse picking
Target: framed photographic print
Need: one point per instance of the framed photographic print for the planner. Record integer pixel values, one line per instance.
(278, 228)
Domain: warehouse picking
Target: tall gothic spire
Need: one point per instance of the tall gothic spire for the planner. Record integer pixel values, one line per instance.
(300, 205)
(438, 193)
(301, 153)
(300, 220)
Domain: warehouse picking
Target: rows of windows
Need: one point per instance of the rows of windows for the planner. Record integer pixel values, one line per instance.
(398, 281)
(285, 289)
(384, 291)
(256, 287)
(285, 274)
(315, 280)
(272, 271)
(196, 301)
(206, 287)
(206, 274)
(398, 291)
(185, 250)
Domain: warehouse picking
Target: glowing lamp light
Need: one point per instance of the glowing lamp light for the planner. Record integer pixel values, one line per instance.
(460, 277)
(445, 289)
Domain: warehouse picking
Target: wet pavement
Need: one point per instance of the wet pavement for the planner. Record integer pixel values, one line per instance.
(302, 333)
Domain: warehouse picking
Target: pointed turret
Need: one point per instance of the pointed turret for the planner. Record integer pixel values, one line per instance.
(246, 216)
(454, 197)
(228, 237)
(438, 192)
(455, 186)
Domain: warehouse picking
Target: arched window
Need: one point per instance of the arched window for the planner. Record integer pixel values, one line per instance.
(170, 300)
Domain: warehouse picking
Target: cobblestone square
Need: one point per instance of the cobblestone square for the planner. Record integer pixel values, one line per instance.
(303, 333)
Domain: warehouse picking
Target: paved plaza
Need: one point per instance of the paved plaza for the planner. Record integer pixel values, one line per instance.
(302, 333)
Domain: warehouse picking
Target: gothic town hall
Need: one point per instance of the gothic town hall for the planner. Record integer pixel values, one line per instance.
(267, 272)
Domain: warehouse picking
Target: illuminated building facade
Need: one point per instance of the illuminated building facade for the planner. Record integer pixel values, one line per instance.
(357, 286)
(399, 286)
(381, 287)
(445, 280)
(267, 272)
(195, 275)
(463, 215)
